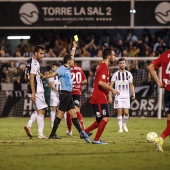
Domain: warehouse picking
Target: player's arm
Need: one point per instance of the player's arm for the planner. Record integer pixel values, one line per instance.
(132, 90)
(32, 76)
(84, 81)
(52, 86)
(73, 48)
(151, 68)
(48, 75)
(110, 99)
(107, 87)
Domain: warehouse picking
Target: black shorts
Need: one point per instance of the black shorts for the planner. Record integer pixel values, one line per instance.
(167, 101)
(101, 110)
(66, 101)
(76, 99)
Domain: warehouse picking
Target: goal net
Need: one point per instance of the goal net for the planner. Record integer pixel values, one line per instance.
(13, 90)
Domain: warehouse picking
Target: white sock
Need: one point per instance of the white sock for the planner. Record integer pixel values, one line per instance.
(40, 122)
(65, 117)
(119, 119)
(33, 118)
(52, 115)
(125, 119)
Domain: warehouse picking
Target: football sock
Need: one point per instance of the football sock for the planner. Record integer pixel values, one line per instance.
(166, 132)
(55, 126)
(100, 130)
(92, 127)
(125, 119)
(80, 118)
(69, 122)
(52, 115)
(40, 122)
(33, 118)
(76, 124)
(65, 117)
(119, 119)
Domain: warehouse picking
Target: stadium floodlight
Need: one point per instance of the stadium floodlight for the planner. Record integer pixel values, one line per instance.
(132, 11)
(18, 37)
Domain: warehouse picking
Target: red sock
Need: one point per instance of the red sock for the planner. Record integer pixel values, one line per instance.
(80, 118)
(92, 127)
(69, 122)
(100, 130)
(166, 132)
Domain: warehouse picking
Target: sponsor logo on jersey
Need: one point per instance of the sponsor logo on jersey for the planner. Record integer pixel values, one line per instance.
(103, 76)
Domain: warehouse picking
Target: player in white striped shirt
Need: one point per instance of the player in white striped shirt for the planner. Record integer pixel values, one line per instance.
(123, 81)
(36, 91)
(55, 85)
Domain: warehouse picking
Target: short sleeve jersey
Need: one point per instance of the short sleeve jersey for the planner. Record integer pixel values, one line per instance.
(99, 94)
(121, 81)
(164, 61)
(64, 75)
(56, 82)
(77, 76)
(33, 67)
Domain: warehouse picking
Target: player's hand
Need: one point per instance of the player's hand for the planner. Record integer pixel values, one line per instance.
(133, 96)
(115, 92)
(110, 100)
(75, 44)
(33, 98)
(41, 75)
(160, 84)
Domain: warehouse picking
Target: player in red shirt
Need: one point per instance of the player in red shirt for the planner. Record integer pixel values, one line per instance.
(163, 61)
(78, 79)
(99, 95)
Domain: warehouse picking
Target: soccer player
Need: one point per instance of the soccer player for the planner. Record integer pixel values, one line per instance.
(78, 79)
(99, 96)
(162, 61)
(36, 91)
(55, 85)
(66, 101)
(123, 81)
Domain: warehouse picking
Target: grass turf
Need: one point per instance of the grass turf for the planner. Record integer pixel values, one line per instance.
(124, 151)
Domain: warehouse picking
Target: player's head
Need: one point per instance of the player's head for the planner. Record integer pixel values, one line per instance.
(69, 60)
(55, 66)
(39, 52)
(122, 63)
(109, 54)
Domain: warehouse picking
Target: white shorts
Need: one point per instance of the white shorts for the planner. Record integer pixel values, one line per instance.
(40, 101)
(122, 103)
(54, 100)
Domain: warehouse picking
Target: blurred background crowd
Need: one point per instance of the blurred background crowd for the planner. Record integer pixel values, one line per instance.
(126, 43)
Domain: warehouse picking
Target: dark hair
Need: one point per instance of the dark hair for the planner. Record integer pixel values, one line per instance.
(56, 64)
(106, 52)
(66, 58)
(38, 47)
(121, 59)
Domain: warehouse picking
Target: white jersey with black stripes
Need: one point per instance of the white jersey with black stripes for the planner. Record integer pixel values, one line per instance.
(33, 66)
(121, 81)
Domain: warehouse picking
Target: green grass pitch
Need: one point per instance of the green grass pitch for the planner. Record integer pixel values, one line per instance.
(126, 151)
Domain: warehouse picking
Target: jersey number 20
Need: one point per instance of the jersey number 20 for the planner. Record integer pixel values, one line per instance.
(76, 78)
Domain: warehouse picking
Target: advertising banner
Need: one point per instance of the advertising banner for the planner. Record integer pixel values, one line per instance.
(53, 14)
(15, 103)
(152, 13)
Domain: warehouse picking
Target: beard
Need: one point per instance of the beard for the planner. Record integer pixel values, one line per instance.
(122, 68)
(111, 61)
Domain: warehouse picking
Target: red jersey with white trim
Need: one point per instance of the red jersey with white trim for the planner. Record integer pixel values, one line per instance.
(164, 61)
(77, 76)
(99, 94)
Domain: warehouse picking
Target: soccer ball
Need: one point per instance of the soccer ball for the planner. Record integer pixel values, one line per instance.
(151, 137)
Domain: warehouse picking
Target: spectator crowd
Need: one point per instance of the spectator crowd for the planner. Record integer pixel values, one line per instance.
(57, 44)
